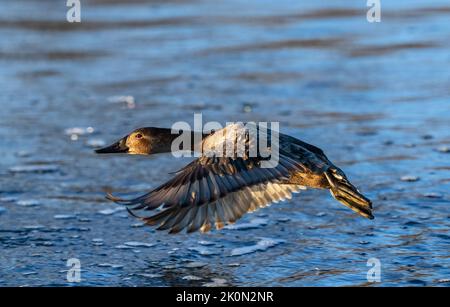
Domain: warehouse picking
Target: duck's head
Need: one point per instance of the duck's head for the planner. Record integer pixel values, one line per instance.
(142, 141)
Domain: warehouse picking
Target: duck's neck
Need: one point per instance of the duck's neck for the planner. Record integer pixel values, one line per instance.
(181, 141)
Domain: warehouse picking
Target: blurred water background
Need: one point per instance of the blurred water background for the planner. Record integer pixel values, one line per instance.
(374, 96)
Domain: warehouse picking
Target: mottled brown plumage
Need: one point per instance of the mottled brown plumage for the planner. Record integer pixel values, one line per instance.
(215, 190)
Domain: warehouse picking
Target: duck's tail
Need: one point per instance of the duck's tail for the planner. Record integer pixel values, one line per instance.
(344, 192)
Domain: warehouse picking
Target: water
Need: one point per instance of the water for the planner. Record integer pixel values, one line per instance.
(375, 97)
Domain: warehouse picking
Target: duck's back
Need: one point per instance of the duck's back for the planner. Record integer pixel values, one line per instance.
(248, 140)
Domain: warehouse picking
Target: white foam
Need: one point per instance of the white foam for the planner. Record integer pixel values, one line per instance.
(34, 169)
(28, 202)
(64, 216)
(262, 245)
(195, 264)
(206, 243)
(110, 211)
(79, 131)
(121, 246)
(95, 143)
(138, 244)
(254, 223)
(110, 265)
(204, 251)
(191, 277)
(128, 100)
(409, 178)
(216, 282)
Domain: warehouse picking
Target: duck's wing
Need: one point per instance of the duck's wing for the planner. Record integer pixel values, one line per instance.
(310, 156)
(215, 191)
(219, 187)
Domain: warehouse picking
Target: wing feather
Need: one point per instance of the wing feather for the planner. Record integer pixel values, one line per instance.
(215, 191)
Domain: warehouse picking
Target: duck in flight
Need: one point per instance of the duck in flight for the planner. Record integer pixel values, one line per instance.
(215, 190)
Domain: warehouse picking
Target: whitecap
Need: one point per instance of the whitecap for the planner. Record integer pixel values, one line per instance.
(33, 227)
(128, 100)
(409, 178)
(110, 265)
(202, 250)
(262, 245)
(97, 241)
(195, 264)
(79, 130)
(138, 244)
(443, 149)
(206, 243)
(28, 202)
(110, 211)
(254, 223)
(137, 225)
(64, 216)
(191, 277)
(34, 168)
(23, 154)
(433, 195)
(95, 143)
(216, 282)
(121, 246)
(283, 220)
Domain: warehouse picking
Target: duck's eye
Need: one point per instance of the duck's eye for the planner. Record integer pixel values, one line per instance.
(138, 136)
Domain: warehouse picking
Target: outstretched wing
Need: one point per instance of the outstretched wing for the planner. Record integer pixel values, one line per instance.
(219, 188)
(215, 191)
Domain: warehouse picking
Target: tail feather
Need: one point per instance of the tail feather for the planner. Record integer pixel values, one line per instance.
(347, 194)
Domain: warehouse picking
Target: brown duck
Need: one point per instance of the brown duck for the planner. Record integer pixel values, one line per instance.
(215, 190)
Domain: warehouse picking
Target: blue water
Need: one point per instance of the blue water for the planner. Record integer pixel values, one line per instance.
(374, 96)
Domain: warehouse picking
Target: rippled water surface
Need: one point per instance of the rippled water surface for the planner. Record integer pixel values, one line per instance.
(375, 97)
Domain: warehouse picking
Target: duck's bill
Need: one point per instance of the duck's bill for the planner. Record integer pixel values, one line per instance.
(117, 147)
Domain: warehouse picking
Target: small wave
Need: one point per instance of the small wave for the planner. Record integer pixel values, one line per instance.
(191, 277)
(138, 244)
(254, 223)
(204, 251)
(110, 211)
(64, 216)
(79, 131)
(128, 101)
(195, 264)
(122, 246)
(409, 178)
(28, 202)
(262, 245)
(110, 265)
(216, 282)
(95, 143)
(206, 243)
(34, 168)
